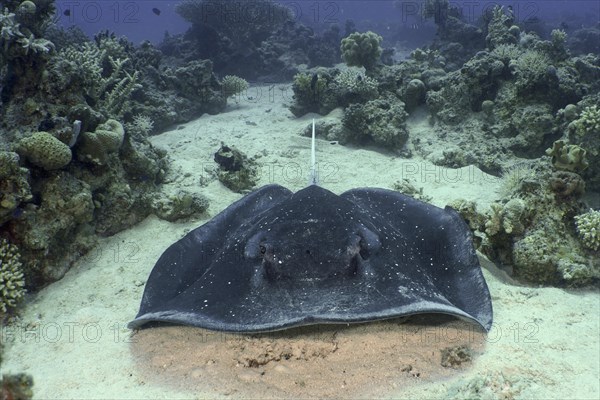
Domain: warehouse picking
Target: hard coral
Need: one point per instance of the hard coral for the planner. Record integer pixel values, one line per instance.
(96, 146)
(45, 151)
(14, 185)
(588, 226)
(352, 86)
(588, 122)
(11, 276)
(312, 93)
(381, 121)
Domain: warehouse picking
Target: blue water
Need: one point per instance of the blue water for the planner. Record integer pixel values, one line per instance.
(138, 22)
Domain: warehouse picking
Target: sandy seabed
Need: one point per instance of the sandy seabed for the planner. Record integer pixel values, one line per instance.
(73, 339)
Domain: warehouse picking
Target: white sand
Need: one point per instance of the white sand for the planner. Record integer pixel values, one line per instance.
(72, 336)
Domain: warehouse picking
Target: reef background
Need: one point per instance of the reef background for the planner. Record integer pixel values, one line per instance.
(543, 345)
(499, 118)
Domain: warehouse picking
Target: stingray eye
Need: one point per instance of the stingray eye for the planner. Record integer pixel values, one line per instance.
(364, 249)
(262, 249)
(369, 243)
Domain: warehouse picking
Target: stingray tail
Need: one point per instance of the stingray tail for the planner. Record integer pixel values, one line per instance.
(313, 179)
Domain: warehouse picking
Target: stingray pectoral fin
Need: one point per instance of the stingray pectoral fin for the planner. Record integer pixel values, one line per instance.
(185, 261)
(437, 249)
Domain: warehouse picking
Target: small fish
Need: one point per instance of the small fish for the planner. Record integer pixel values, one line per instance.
(156, 11)
(313, 82)
(67, 13)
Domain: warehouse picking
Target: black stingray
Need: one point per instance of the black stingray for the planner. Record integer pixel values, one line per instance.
(277, 259)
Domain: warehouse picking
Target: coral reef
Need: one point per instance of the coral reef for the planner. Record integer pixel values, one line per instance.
(498, 30)
(353, 86)
(312, 92)
(12, 283)
(532, 229)
(415, 94)
(179, 205)
(95, 147)
(588, 227)
(588, 122)
(380, 121)
(233, 85)
(16, 387)
(509, 218)
(195, 81)
(45, 151)
(567, 157)
(507, 93)
(141, 125)
(584, 131)
(52, 232)
(23, 49)
(267, 44)
(14, 185)
(362, 50)
(567, 185)
(236, 171)
(406, 187)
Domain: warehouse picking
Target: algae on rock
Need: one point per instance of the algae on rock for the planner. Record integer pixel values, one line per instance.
(236, 171)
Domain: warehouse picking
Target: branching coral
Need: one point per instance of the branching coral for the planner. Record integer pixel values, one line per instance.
(105, 78)
(588, 121)
(506, 52)
(588, 226)
(141, 125)
(37, 45)
(116, 98)
(12, 282)
(9, 28)
(499, 31)
(20, 31)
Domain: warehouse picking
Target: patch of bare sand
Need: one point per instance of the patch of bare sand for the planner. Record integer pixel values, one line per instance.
(324, 361)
